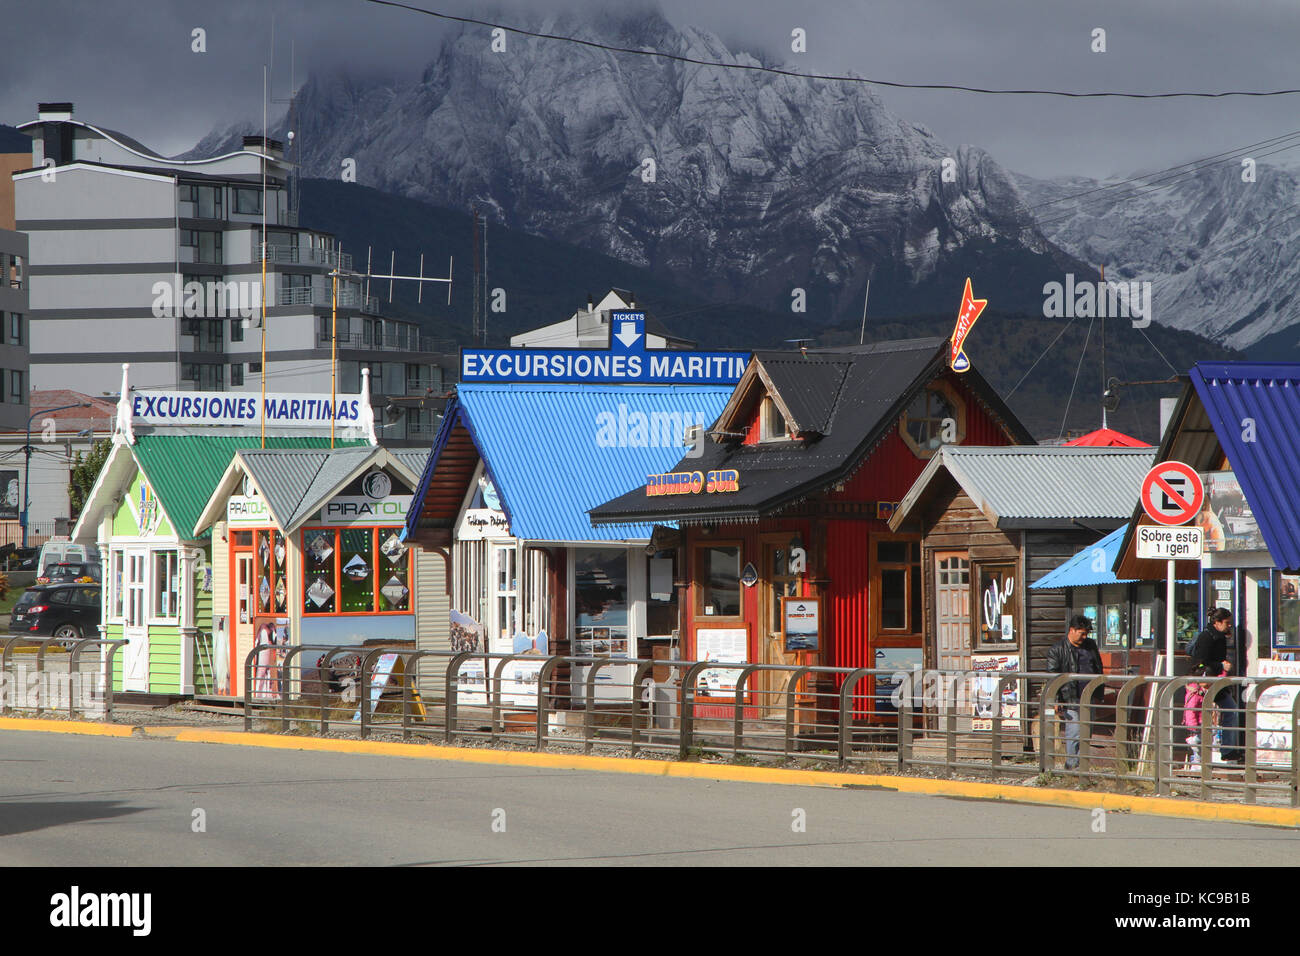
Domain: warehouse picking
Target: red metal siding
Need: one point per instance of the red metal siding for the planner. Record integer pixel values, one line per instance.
(890, 469)
(850, 574)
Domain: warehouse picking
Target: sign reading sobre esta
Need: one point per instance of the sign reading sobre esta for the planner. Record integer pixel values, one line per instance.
(693, 482)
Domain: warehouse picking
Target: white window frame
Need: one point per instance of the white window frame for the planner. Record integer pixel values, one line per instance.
(172, 558)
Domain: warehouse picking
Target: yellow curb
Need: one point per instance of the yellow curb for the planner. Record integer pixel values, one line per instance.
(1083, 800)
(163, 731)
(66, 727)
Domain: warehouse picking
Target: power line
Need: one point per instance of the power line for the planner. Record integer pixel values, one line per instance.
(833, 77)
(1196, 165)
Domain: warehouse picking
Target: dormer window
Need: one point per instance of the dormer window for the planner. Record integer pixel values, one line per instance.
(936, 417)
(771, 423)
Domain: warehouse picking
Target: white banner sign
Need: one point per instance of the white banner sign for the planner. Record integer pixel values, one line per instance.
(244, 512)
(1169, 543)
(232, 408)
(359, 510)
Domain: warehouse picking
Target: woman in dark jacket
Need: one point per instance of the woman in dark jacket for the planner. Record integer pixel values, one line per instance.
(1211, 647)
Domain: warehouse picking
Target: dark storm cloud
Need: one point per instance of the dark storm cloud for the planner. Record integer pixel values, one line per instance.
(128, 64)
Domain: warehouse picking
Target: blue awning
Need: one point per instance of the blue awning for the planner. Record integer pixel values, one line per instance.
(1081, 570)
(1254, 408)
(555, 451)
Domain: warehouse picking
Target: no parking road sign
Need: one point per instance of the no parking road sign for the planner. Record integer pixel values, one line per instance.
(1172, 493)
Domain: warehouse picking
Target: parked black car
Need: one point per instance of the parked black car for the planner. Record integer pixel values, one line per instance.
(66, 611)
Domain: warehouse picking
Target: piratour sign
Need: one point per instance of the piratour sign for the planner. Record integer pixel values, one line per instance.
(720, 481)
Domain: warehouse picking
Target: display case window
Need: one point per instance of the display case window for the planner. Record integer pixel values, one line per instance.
(355, 571)
(1112, 626)
(1286, 613)
(600, 603)
(718, 581)
(997, 619)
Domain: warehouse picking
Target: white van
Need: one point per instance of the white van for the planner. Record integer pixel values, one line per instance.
(57, 552)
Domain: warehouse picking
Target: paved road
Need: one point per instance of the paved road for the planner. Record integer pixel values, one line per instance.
(100, 801)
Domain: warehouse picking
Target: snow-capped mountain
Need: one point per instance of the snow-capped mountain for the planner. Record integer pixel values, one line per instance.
(1222, 252)
(759, 183)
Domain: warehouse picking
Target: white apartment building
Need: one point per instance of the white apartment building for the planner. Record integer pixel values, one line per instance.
(138, 258)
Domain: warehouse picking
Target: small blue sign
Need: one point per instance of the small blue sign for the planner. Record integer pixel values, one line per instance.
(627, 361)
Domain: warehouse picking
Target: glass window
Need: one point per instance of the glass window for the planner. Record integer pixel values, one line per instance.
(237, 373)
(115, 584)
(600, 603)
(166, 584)
(15, 328)
(395, 572)
(997, 624)
(320, 571)
(357, 569)
(248, 201)
(719, 581)
(899, 566)
(1113, 627)
(1145, 626)
(16, 389)
(1286, 629)
(236, 333)
(933, 418)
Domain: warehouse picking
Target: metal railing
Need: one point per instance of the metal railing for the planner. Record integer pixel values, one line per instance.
(310, 295)
(33, 682)
(412, 341)
(295, 255)
(1124, 731)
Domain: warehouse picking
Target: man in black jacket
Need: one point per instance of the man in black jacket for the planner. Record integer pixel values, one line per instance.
(1076, 653)
(1212, 650)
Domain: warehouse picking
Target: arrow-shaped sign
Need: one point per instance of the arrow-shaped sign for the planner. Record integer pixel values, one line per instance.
(627, 333)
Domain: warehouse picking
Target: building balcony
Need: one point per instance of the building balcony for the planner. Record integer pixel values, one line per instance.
(308, 257)
(412, 341)
(312, 296)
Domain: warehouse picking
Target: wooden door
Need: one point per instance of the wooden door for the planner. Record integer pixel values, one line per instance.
(952, 609)
(775, 582)
(241, 619)
(135, 656)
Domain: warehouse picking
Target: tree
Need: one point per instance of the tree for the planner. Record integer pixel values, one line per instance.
(85, 469)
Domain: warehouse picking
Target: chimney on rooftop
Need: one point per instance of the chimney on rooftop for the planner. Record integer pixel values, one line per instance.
(272, 147)
(54, 112)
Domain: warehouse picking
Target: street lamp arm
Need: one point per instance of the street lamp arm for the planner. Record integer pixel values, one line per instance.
(27, 454)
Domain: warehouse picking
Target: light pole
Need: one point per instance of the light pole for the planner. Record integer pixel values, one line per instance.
(27, 466)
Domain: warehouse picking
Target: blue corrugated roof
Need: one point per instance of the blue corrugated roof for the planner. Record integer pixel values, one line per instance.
(556, 451)
(1265, 451)
(1080, 571)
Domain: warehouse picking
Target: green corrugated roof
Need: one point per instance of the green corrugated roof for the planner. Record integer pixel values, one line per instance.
(184, 469)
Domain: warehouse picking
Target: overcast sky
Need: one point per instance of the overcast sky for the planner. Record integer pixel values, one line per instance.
(127, 64)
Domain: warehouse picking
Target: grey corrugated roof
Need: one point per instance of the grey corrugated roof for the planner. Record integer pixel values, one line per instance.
(412, 459)
(1039, 482)
(297, 483)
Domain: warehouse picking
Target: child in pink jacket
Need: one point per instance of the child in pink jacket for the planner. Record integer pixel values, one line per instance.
(1193, 698)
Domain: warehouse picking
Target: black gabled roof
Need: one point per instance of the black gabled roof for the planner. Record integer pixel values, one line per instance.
(809, 385)
(856, 394)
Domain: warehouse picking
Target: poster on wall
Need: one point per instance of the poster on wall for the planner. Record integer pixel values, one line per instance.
(988, 706)
(9, 495)
(801, 618)
(1274, 714)
(1227, 520)
(725, 645)
(903, 664)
